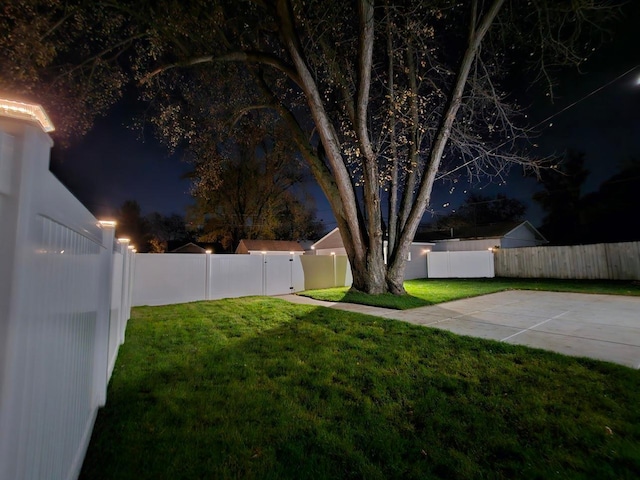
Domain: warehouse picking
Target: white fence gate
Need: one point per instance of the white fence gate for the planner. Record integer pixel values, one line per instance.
(64, 302)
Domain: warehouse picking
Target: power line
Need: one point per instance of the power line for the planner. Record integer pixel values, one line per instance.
(550, 117)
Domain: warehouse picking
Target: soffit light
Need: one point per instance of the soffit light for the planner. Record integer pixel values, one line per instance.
(26, 111)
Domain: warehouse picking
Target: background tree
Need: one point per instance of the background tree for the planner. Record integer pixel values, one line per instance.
(65, 55)
(251, 191)
(480, 209)
(132, 225)
(560, 199)
(167, 232)
(609, 214)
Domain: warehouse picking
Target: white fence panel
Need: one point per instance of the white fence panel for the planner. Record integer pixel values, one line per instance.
(178, 278)
(56, 267)
(417, 262)
(236, 276)
(326, 271)
(460, 264)
(165, 279)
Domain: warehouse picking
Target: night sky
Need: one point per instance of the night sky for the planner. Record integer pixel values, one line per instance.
(112, 164)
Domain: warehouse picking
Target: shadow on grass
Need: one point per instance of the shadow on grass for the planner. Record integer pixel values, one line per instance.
(385, 300)
(259, 388)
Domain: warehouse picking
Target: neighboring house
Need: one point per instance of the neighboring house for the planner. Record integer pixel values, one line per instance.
(331, 244)
(269, 247)
(189, 248)
(498, 235)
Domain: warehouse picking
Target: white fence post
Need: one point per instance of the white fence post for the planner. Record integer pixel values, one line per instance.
(101, 372)
(24, 154)
(55, 276)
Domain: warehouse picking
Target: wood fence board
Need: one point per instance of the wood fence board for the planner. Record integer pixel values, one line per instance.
(613, 261)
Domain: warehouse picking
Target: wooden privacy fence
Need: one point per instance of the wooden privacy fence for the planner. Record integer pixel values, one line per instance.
(607, 261)
(64, 304)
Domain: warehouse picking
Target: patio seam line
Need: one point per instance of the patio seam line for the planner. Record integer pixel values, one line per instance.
(583, 338)
(534, 326)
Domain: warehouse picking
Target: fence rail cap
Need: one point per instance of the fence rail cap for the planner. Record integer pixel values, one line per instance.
(26, 111)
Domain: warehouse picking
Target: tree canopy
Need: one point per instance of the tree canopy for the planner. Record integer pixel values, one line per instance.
(254, 191)
(380, 98)
(605, 215)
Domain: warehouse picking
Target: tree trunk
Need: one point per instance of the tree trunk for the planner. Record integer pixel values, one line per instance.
(369, 277)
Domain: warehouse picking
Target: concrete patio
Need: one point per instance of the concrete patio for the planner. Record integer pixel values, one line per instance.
(604, 327)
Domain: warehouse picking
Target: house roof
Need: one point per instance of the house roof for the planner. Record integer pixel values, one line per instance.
(329, 235)
(189, 248)
(270, 246)
(493, 230)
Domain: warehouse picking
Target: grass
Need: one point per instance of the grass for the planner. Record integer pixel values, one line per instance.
(258, 388)
(424, 292)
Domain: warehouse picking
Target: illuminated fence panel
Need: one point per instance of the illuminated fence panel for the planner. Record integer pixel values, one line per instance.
(478, 264)
(60, 325)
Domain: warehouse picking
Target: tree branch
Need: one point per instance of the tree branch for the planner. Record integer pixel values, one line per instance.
(245, 57)
(442, 137)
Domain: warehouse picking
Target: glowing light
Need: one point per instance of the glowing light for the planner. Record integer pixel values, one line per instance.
(107, 223)
(124, 240)
(638, 80)
(333, 253)
(26, 111)
(208, 251)
(290, 253)
(131, 247)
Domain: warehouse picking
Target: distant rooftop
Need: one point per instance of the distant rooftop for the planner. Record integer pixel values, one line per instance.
(268, 246)
(492, 230)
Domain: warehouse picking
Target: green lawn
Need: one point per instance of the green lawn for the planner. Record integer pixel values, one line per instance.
(258, 388)
(431, 291)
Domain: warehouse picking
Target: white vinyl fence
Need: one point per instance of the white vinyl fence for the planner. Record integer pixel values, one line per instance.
(607, 261)
(476, 264)
(165, 279)
(64, 303)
